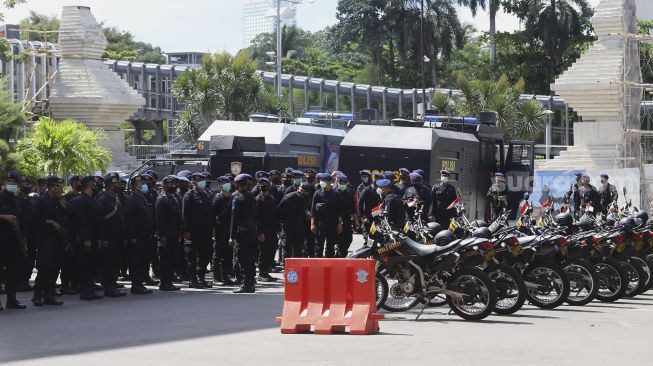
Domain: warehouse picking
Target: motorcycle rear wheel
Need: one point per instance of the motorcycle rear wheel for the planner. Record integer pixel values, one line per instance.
(397, 300)
(551, 281)
(511, 289)
(479, 294)
(646, 266)
(636, 277)
(586, 283)
(612, 280)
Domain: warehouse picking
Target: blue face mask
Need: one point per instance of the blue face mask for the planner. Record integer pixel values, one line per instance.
(145, 188)
(201, 184)
(342, 187)
(298, 181)
(226, 187)
(12, 188)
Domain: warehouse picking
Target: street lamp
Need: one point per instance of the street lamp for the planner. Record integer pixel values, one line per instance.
(547, 138)
(279, 54)
(424, 59)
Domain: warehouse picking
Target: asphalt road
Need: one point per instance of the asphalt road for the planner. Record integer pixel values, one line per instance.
(209, 327)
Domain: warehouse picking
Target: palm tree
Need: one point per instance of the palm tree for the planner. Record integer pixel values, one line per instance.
(494, 6)
(443, 33)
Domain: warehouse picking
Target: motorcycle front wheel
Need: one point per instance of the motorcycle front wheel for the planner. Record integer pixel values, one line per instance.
(511, 289)
(397, 300)
(475, 295)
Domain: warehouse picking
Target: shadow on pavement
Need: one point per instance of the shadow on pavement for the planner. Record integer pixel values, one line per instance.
(78, 326)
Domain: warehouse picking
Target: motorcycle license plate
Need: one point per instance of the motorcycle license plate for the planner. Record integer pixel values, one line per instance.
(621, 247)
(639, 245)
(598, 246)
(516, 250)
(564, 250)
(489, 254)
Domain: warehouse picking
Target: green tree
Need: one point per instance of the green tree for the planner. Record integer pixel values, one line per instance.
(122, 46)
(224, 87)
(11, 119)
(45, 27)
(10, 4)
(293, 43)
(63, 148)
(443, 35)
(493, 7)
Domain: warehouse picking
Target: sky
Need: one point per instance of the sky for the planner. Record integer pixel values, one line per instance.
(206, 25)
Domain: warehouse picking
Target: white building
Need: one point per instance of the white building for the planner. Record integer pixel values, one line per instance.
(259, 16)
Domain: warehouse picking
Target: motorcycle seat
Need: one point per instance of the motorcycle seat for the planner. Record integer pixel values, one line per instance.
(528, 240)
(426, 250)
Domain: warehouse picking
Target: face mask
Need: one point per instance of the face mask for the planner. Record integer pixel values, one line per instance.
(379, 191)
(298, 181)
(265, 188)
(323, 185)
(145, 188)
(342, 187)
(12, 188)
(444, 179)
(366, 180)
(201, 184)
(310, 180)
(226, 187)
(604, 181)
(170, 190)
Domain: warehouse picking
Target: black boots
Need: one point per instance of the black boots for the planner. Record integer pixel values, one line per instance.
(12, 303)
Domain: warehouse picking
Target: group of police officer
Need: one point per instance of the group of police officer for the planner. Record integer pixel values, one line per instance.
(98, 231)
(582, 194)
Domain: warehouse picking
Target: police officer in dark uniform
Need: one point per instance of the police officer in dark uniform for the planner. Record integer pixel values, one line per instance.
(244, 231)
(139, 218)
(296, 181)
(83, 220)
(589, 196)
(573, 195)
(442, 196)
(417, 195)
(392, 204)
(292, 214)
(608, 193)
(404, 181)
(152, 195)
(498, 194)
(25, 209)
(367, 200)
(50, 219)
(348, 214)
(69, 280)
(310, 177)
(198, 229)
(222, 251)
(268, 230)
(111, 233)
(11, 240)
(170, 223)
(326, 222)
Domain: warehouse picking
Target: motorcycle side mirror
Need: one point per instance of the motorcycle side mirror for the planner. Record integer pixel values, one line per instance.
(526, 196)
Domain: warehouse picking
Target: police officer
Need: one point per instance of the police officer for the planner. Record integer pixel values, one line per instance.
(443, 195)
(153, 258)
(25, 209)
(111, 233)
(292, 214)
(258, 175)
(573, 194)
(244, 231)
(49, 219)
(326, 222)
(198, 229)
(608, 193)
(268, 230)
(589, 196)
(11, 242)
(170, 224)
(417, 195)
(498, 194)
(139, 219)
(310, 240)
(183, 185)
(69, 280)
(367, 200)
(221, 213)
(83, 235)
(404, 181)
(392, 204)
(348, 214)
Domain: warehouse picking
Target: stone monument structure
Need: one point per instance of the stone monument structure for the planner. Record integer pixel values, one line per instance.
(86, 90)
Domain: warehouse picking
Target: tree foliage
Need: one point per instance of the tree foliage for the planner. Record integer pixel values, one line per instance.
(63, 148)
(122, 46)
(40, 24)
(224, 87)
(12, 118)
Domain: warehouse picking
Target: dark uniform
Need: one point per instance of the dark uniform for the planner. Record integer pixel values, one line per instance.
(396, 211)
(347, 210)
(573, 196)
(325, 211)
(443, 195)
(243, 233)
(498, 194)
(607, 194)
(69, 269)
(589, 196)
(292, 215)
(268, 225)
(170, 223)
(196, 209)
(141, 227)
(11, 242)
(419, 193)
(83, 224)
(111, 235)
(222, 252)
(26, 212)
(367, 200)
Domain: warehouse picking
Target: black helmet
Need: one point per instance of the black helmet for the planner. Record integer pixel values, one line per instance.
(610, 221)
(434, 228)
(649, 223)
(626, 223)
(482, 232)
(585, 223)
(564, 219)
(480, 223)
(444, 237)
(643, 216)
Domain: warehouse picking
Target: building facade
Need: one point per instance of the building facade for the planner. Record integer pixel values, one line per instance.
(259, 16)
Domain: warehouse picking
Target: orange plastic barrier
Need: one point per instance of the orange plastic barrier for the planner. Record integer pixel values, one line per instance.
(329, 295)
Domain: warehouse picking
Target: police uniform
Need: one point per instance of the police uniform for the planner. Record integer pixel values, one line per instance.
(222, 251)
(367, 199)
(268, 225)
(153, 258)
(26, 211)
(111, 233)
(243, 233)
(69, 272)
(51, 242)
(11, 253)
(139, 219)
(347, 207)
(196, 209)
(498, 194)
(183, 184)
(420, 193)
(292, 215)
(170, 224)
(608, 194)
(325, 216)
(393, 205)
(83, 222)
(589, 196)
(443, 195)
(404, 181)
(573, 195)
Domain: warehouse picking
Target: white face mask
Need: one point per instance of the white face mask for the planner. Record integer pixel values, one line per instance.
(444, 179)
(323, 184)
(379, 191)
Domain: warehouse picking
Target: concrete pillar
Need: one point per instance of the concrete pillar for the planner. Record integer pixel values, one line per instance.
(401, 104)
(322, 93)
(566, 124)
(368, 94)
(353, 100)
(414, 103)
(158, 135)
(338, 97)
(291, 97)
(384, 98)
(157, 87)
(306, 94)
(548, 137)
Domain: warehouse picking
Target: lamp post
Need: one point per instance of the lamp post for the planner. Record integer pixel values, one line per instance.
(421, 31)
(547, 138)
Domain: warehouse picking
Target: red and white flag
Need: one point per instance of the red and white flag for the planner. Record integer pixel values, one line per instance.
(523, 208)
(455, 203)
(547, 203)
(376, 210)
